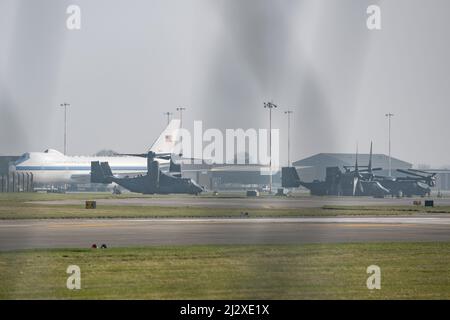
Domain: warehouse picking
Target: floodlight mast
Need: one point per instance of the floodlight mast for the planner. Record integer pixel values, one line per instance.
(65, 105)
(389, 116)
(270, 106)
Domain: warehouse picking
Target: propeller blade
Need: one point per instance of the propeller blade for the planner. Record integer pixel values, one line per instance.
(165, 156)
(367, 170)
(404, 171)
(420, 171)
(430, 174)
(361, 188)
(355, 182)
(142, 155)
(359, 166)
(412, 174)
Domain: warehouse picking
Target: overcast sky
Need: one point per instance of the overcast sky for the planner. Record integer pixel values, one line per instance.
(133, 60)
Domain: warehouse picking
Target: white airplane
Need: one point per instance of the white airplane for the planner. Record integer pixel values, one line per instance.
(51, 167)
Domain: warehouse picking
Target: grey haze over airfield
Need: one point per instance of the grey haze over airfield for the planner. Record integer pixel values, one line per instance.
(132, 61)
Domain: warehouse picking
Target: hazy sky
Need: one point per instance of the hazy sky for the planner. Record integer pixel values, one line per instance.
(133, 60)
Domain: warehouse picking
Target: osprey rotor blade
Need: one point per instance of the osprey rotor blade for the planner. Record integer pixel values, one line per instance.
(355, 182)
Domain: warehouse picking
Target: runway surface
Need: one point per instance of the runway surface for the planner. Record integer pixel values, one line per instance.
(255, 203)
(76, 233)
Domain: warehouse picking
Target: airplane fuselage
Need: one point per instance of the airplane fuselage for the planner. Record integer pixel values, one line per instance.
(52, 167)
(167, 185)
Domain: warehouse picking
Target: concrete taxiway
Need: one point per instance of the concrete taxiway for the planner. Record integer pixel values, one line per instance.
(27, 234)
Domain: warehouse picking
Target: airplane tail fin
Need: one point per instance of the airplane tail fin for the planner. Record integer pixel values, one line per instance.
(106, 169)
(289, 177)
(100, 172)
(97, 175)
(168, 138)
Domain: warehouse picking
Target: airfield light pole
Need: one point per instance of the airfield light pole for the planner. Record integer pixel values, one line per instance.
(389, 116)
(270, 106)
(289, 112)
(181, 109)
(65, 105)
(168, 114)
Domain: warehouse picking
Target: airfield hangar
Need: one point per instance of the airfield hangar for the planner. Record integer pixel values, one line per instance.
(314, 167)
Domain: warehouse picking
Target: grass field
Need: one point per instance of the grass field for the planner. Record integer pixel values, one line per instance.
(21, 206)
(313, 271)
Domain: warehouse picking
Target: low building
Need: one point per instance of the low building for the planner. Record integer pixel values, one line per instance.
(230, 176)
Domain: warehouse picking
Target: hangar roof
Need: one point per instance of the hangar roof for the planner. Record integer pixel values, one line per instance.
(348, 159)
